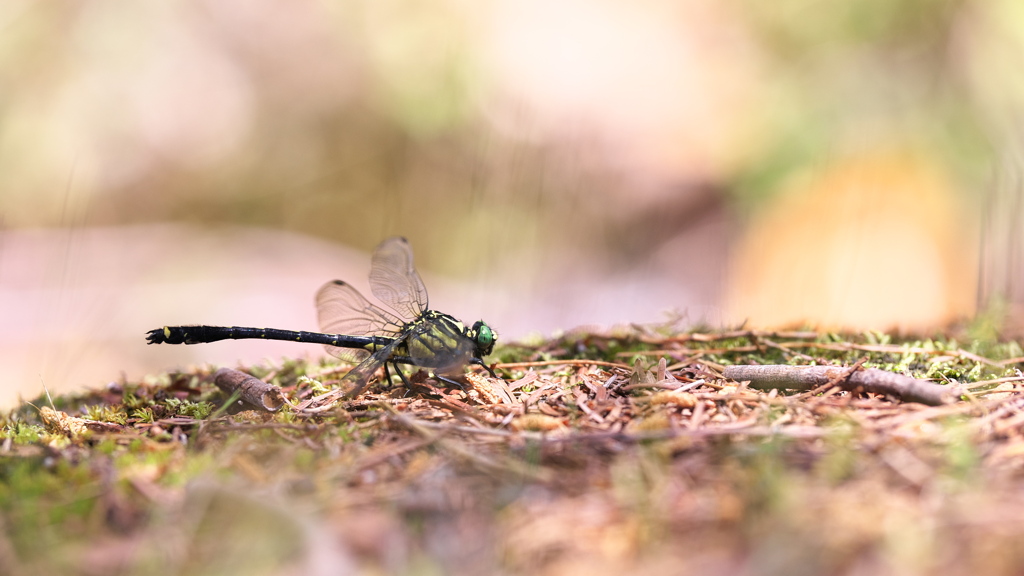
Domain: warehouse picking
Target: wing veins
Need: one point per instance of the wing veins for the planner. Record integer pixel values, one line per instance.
(395, 281)
(359, 377)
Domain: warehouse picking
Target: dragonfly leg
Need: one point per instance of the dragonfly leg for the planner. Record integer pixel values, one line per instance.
(450, 381)
(395, 361)
(480, 362)
(401, 375)
(402, 360)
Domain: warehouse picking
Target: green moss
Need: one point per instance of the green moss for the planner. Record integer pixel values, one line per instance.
(196, 410)
(107, 413)
(22, 433)
(144, 414)
(314, 385)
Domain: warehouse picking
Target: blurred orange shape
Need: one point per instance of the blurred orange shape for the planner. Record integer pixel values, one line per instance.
(873, 242)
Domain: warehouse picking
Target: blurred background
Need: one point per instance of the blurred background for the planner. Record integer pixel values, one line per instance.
(852, 164)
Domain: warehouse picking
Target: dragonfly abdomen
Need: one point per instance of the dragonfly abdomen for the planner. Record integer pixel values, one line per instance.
(204, 334)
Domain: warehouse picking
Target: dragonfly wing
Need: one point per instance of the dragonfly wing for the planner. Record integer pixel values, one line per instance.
(357, 378)
(394, 280)
(341, 309)
(350, 355)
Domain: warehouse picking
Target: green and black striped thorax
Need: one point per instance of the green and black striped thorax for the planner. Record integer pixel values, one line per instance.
(437, 340)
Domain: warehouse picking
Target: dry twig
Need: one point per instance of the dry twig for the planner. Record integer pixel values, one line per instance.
(251, 389)
(870, 380)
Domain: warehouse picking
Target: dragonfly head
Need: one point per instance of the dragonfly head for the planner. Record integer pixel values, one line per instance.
(483, 336)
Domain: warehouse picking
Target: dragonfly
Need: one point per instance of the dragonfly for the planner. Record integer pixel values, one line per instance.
(404, 331)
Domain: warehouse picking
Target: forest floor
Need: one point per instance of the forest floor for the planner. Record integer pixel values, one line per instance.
(592, 454)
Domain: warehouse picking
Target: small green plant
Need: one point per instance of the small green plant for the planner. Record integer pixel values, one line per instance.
(131, 401)
(196, 410)
(144, 415)
(23, 433)
(105, 413)
(315, 385)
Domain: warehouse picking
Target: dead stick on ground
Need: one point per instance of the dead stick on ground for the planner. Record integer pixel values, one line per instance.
(836, 381)
(251, 389)
(870, 380)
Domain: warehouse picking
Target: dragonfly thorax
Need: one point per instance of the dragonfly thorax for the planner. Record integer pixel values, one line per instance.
(438, 341)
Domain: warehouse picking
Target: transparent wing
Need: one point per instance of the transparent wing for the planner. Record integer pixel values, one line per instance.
(350, 355)
(341, 309)
(357, 378)
(394, 280)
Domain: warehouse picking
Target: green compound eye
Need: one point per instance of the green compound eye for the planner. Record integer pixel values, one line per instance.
(485, 337)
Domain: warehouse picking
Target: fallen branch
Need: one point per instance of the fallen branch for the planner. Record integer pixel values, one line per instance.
(868, 380)
(251, 389)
